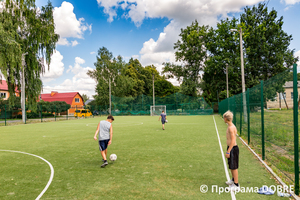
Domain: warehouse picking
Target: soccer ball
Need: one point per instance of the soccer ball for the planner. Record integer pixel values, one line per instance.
(166, 121)
(113, 157)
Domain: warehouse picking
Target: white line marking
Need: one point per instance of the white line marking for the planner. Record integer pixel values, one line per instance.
(223, 157)
(51, 167)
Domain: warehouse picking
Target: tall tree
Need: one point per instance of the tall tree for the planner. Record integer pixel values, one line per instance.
(266, 44)
(29, 30)
(164, 88)
(85, 97)
(190, 50)
(108, 67)
(222, 49)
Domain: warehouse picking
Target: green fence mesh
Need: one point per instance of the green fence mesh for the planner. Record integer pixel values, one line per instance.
(176, 104)
(263, 116)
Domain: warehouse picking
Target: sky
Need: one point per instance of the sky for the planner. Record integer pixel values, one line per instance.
(142, 29)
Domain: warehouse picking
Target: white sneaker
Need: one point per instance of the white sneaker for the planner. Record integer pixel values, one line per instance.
(230, 182)
(234, 188)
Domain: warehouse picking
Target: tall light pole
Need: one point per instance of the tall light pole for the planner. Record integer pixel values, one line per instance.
(23, 99)
(153, 91)
(109, 96)
(242, 71)
(227, 79)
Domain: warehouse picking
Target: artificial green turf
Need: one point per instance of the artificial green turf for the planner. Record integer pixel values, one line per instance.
(151, 164)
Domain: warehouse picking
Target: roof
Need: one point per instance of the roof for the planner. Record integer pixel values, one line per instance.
(4, 86)
(88, 101)
(289, 84)
(66, 97)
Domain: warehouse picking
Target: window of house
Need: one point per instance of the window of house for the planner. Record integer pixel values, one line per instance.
(3, 95)
(292, 95)
(77, 100)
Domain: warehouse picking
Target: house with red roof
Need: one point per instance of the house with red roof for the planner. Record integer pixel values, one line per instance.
(4, 90)
(73, 98)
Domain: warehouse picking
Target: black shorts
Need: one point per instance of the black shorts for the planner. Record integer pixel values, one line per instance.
(103, 144)
(233, 161)
(163, 121)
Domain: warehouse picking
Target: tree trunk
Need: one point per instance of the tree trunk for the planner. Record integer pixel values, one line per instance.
(285, 101)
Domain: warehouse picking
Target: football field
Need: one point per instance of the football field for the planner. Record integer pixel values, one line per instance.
(61, 160)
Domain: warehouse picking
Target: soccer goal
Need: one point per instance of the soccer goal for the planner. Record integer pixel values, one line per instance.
(156, 110)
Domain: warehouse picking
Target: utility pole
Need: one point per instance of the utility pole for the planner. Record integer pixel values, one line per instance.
(227, 79)
(242, 61)
(242, 72)
(153, 91)
(109, 96)
(23, 99)
(243, 77)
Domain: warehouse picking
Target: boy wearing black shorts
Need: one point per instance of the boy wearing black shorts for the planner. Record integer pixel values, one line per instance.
(163, 117)
(232, 153)
(105, 130)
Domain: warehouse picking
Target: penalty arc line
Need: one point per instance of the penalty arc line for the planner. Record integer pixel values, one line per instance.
(51, 168)
(223, 157)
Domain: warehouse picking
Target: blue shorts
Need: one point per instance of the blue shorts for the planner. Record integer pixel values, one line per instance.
(103, 144)
(163, 121)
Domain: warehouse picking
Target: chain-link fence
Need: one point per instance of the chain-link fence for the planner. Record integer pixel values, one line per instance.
(176, 104)
(266, 116)
(41, 113)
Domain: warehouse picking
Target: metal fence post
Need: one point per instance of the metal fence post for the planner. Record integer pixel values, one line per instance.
(55, 113)
(41, 113)
(296, 136)
(25, 113)
(5, 113)
(241, 116)
(234, 110)
(248, 114)
(262, 118)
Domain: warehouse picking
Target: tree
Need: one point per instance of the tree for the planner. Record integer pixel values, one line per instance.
(222, 49)
(164, 88)
(190, 50)
(107, 67)
(266, 53)
(266, 44)
(85, 97)
(28, 30)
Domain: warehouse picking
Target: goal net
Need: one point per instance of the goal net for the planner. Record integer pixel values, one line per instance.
(156, 110)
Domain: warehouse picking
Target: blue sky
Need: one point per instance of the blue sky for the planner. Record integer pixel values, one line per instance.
(144, 29)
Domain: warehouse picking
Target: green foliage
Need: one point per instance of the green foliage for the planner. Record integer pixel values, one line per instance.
(33, 33)
(164, 88)
(222, 49)
(52, 107)
(208, 50)
(85, 97)
(190, 50)
(127, 79)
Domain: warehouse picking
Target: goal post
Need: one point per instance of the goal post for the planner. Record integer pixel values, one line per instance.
(156, 110)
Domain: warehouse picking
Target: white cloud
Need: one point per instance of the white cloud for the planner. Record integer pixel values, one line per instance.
(80, 82)
(76, 69)
(290, 2)
(180, 13)
(74, 43)
(67, 25)
(63, 41)
(56, 67)
(205, 11)
(93, 52)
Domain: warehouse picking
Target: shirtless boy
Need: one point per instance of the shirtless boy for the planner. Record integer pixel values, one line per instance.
(232, 153)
